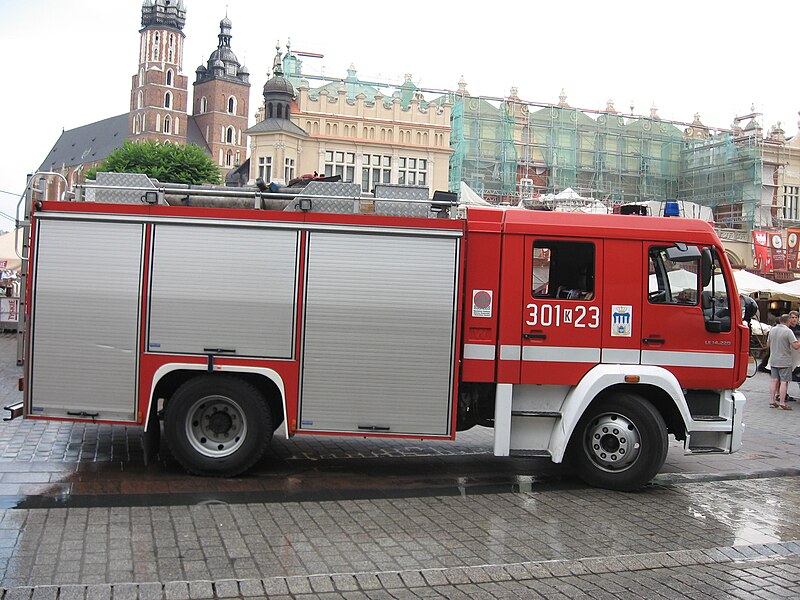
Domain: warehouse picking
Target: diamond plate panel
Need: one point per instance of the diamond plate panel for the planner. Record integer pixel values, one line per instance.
(332, 188)
(119, 180)
(401, 192)
(403, 209)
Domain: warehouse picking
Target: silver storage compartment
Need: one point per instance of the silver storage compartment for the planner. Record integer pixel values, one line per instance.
(86, 300)
(379, 333)
(224, 287)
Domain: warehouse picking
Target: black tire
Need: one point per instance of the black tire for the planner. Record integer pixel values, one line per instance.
(217, 425)
(620, 443)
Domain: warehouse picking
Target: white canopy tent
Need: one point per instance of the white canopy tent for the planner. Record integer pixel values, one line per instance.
(8, 258)
(791, 287)
(750, 283)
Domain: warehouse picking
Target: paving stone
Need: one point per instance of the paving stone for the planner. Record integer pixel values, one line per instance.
(226, 588)
(176, 590)
(251, 588)
(125, 591)
(98, 592)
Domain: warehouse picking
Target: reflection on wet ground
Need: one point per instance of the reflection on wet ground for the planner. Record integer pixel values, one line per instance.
(215, 540)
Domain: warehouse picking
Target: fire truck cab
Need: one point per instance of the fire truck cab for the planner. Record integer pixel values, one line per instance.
(579, 337)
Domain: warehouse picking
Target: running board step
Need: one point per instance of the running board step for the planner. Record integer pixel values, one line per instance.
(15, 410)
(531, 453)
(706, 450)
(535, 413)
(713, 418)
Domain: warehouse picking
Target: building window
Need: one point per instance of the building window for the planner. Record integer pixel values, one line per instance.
(265, 168)
(791, 202)
(229, 159)
(232, 105)
(288, 169)
(169, 77)
(203, 104)
(171, 48)
(229, 135)
(139, 99)
(341, 163)
(168, 100)
(412, 171)
(167, 124)
(375, 169)
(156, 42)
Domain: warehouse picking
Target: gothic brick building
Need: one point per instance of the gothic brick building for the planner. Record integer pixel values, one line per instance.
(160, 97)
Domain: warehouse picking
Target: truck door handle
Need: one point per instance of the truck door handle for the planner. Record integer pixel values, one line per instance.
(653, 340)
(534, 336)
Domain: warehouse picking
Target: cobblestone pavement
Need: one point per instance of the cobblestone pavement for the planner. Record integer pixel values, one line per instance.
(712, 526)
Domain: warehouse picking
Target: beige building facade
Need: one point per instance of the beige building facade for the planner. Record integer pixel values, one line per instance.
(350, 129)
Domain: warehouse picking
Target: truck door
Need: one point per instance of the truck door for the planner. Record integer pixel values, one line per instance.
(686, 325)
(561, 329)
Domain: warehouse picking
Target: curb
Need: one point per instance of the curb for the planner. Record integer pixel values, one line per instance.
(678, 478)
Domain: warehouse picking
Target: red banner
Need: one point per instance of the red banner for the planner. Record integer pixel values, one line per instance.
(762, 260)
(777, 250)
(792, 247)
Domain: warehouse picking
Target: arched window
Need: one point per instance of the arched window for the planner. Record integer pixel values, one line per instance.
(280, 111)
(169, 77)
(168, 100)
(232, 105)
(156, 42)
(137, 124)
(269, 110)
(167, 124)
(158, 122)
(141, 77)
(139, 99)
(228, 158)
(286, 111)
(425, 138)
(229, 136)
(171, 48)
(203, 104)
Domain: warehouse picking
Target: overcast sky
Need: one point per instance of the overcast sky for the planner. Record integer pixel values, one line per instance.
(67, 64)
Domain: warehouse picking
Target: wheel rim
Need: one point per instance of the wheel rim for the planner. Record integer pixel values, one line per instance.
(216, 426)
(612, 442)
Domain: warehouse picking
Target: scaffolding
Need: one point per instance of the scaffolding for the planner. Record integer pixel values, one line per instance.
(508, 149)
(484, 149)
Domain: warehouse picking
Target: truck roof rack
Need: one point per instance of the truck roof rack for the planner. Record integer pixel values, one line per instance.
(315, 196)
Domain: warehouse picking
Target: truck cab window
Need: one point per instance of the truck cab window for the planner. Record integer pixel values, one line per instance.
(672, 282)
(715, 298)
(563, 270)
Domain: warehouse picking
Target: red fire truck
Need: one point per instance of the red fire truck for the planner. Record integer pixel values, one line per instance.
(233, 315)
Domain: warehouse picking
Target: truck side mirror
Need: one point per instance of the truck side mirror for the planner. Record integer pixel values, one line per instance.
(706, 266)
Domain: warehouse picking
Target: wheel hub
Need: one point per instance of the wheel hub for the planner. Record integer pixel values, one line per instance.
(612, 442)
(216, 426)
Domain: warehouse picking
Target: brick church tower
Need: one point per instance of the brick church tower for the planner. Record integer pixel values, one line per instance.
(221, 102)
(160, 90)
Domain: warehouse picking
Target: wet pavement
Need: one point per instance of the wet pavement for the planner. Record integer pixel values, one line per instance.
(81, 516)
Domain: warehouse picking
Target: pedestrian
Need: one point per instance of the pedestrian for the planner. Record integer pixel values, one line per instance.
(794, 325)
(781, 341)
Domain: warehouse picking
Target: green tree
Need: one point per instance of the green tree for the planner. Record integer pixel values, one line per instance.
(172, 163)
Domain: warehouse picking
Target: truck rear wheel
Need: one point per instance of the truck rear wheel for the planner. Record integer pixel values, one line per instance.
(620, 443)
(217, 425)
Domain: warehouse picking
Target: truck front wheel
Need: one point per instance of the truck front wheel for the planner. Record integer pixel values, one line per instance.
(620, 443)
(217, 425)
